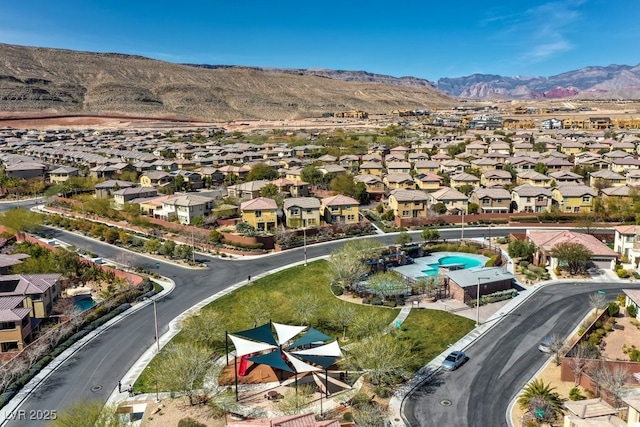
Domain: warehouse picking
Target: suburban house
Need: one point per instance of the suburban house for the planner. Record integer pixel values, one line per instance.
(427, 181)
(127, 195)
(372, 168)
(632, 298)
(531, 198)
(261, 213)
(62, 174)
(375, 187)
(452, 199)
(291, 188)
(399, 181)
(623, 243)
(192, 180)
(491, 200)
(105, 189)
(103, 172)
(606, 178)
(340, 209)
(603, 257)
(302, 212)
(38, 291)
(463, 284)
(426, 166)
(156, 179)
(247, 190)
(532, 177)
(25, 170)
(407, 204)
(574, 198)
(565, 177)
(15, 324)
(185, 208)
(398, 167)
(461, 179)
(495, 178)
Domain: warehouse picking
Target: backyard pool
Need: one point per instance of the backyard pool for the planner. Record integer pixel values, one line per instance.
(84, 303)
(454, 262)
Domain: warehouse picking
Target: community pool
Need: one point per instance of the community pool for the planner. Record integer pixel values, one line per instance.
(457, 262)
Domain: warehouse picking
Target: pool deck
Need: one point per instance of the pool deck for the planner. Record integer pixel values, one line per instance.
(414, 270)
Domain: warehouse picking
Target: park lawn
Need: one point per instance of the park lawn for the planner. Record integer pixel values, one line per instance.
(276, 297)
(431, 332)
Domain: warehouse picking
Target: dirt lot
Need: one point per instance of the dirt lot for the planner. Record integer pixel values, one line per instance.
(171, 411)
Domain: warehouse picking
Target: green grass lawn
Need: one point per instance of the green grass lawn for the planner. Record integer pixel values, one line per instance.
(431, 332)
(276, 298)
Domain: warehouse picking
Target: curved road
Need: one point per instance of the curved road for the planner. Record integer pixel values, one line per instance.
(502, 361)
(94, 370)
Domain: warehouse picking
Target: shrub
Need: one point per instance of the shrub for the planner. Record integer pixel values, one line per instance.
(574, 394)
(594, 339)
(190, 422)
(389, 303)
(613, 309)
(347, 417)
(524, 263)
(376, 301)
(632, 310)
(492, 261)
(337, 290)
(557, 270)
(622, 273)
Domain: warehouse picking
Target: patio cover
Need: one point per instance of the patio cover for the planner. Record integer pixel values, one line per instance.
(273, 359)
(312, 335)
(331, 349)
(286, 332)
(244, 347)
(261, 333)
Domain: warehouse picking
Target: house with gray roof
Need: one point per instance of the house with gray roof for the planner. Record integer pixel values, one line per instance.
(463, 284)
(531, 198)
(302, 212)
(491, 200)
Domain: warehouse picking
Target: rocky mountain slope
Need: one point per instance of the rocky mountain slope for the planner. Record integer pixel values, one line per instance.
(613, 81)
(84, 82)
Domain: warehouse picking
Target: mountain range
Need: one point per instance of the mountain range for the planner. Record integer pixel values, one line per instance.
(66, 81)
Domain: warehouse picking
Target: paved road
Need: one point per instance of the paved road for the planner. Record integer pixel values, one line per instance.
(95, 370)
(503, 360)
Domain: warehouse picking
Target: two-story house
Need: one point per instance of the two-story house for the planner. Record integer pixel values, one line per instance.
(452, 199)
(15, 324)
(62, 174)
(291, 188)
(261, 213)
(340, 209)
(374, 184)
(461, 179)
(427, 181)
(574, 198)
(495, 178)
(532, 177)
(185, 208)
(372, 168)
(606, 178)
(127, 195)
(407, 204)
(302, 212)
(531, 198)
(156, 179)
(399, 180)
(38, 291)
(491, 200)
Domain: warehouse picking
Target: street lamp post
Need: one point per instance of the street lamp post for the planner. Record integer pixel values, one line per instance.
(462, 230)
(155, 321)
(478, 301)
(304, 243)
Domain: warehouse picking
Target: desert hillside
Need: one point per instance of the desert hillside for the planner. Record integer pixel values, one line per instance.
(68, 81)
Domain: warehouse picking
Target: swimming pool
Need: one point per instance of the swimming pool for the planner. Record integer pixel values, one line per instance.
(458, 262)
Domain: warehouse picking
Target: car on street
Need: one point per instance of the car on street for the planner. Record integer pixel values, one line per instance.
(545, 344)
(454, 360)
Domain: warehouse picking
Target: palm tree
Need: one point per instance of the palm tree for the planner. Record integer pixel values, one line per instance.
(541, 400)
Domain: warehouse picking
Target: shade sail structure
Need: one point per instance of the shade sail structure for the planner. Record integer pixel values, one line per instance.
(244, 346)
(286, 332)
(298, 365)
(261, 333)
(273, 359)
(324, 361)
(331, 349)
(312, 335)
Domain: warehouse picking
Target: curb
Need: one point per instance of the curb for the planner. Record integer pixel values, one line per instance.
(11, 407)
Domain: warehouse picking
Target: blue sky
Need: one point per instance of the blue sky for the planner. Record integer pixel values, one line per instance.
(423, 38)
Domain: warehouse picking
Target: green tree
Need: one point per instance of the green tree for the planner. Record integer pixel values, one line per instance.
(270, 190)
(574, 254)
(312, 175)
(261, 171)
(430, 234)
(523, 249)
(541, 168)
(21, 220)
(343, 315)
(387, 284)
(182, 367)
(384, 357)
(205, 328)
(473, 208)
(167, 248)
(541, 400)
(152, 245)
(440, 208)
(344, 184)
(403, 238)
(466, 189)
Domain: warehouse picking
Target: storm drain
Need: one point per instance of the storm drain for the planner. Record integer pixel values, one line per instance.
(445, 402)
(97, 388)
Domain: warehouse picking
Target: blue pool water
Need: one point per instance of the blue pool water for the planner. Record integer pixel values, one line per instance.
(84, 303)
(452, 260)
